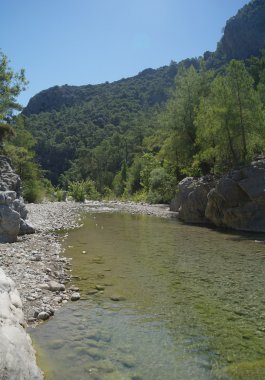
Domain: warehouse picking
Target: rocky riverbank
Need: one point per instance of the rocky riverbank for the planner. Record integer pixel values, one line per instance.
(34, 262)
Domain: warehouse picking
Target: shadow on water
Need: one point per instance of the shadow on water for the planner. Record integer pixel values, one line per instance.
(160, 300)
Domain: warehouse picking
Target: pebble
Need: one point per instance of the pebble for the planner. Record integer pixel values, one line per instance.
(91, 292)
(55, 286)
(43, 315)
(31, 320)
(58, 299)
(44, 286)
(99, 287)
(117, 298)
(36, 258)
(30, 298)
(74, 288)
(127, 360)
(75, 296)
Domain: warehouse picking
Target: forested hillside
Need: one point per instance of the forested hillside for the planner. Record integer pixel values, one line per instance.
(140, 135)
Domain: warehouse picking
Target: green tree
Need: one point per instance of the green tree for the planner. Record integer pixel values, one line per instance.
(119, 182)
(181, 110)
(230, 123)
(11, 84)
(162, 186)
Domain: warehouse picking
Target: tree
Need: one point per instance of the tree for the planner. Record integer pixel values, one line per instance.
(230, 123)
(11, 84)
(181, 110)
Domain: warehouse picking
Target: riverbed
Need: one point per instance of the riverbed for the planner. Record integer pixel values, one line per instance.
(159, 300)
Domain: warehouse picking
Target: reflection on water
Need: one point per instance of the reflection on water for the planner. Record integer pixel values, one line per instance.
(160, 300)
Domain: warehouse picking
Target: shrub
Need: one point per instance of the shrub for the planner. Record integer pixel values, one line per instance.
(90, 190)
(33, 191)
(60, 195)
(83, 190)
(162, 186)
(77, 191)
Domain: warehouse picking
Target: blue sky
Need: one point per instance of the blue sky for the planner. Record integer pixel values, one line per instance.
(92, 41)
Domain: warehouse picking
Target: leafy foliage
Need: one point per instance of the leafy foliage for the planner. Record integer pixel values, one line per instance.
(230, 120)
(138, 136)
(80, 191)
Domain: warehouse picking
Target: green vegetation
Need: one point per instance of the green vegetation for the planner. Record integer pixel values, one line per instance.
(11, 84)
(137, 137)
(15, 140)
(211, 122)
(83, 190)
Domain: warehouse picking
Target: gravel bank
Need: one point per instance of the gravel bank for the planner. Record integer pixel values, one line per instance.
(34, 262)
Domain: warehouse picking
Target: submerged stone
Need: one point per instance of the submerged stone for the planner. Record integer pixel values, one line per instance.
(75, 296)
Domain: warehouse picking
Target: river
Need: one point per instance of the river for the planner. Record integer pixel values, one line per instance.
(160, 300)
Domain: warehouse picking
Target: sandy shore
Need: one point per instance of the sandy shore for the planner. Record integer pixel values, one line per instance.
(36, 260)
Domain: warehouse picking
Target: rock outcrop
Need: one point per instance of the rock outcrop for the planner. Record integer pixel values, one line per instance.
(13, 211)
(17, 357)
(191, 199)
(236, 200)
(9, 180)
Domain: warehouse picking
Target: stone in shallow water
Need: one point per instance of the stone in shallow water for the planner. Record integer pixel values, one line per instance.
(117, 298)
(105, 366)
(95, 353)
(55, 286)
(91, 292)
(99, 287)
(75, 296)
(58, 299)
(43, 316)
(93, 334)
(74, 288)
(127, 360)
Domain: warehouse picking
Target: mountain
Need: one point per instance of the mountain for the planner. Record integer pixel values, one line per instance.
(244, 34)
(146, 89)
(108, 118)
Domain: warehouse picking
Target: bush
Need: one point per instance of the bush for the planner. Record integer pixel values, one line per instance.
(60, 195)
(90, 190)
(83, 190)
(139, 196)
(77, 191)
(33, 191)
(162, 186)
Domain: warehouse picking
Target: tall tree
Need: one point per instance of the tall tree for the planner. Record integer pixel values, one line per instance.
(181, 111)
(11, 84)
(230, 122)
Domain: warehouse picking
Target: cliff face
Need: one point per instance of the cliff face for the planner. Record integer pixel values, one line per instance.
(244, 34)
(17, 357)
(236, 200)
(13, 211)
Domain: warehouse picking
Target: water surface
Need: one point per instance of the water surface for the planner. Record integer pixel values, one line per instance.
(191, 304)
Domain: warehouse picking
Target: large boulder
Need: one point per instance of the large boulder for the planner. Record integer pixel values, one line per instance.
(11, 223)
(238, 200)
(9, 180)
(9, 218)
(13, 212)
(17, 357)
(191, 199)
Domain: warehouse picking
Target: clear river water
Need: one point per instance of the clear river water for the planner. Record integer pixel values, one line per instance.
(160, 300)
